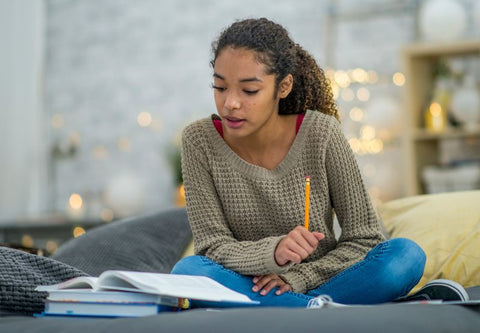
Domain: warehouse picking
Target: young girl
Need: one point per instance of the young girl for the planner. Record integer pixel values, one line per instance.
(244, 172)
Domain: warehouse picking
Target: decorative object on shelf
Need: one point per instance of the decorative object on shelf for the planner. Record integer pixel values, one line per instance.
(125, 194)
(442, 20)
(424, 65)
(435, 117)
(466, 104)
(458, 178)
(436, 114)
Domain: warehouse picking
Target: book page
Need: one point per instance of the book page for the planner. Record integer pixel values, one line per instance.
(185, 286)
(82, 282)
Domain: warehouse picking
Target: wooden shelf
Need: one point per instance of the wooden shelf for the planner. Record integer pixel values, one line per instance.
(464, 47)
(422, 134)
(421, 147)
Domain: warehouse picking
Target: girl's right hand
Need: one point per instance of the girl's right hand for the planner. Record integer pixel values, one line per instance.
(297, 245)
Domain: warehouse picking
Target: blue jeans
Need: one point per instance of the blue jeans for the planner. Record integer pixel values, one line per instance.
(390, 270)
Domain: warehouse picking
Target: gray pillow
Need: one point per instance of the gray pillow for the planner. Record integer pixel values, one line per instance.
(152, 243)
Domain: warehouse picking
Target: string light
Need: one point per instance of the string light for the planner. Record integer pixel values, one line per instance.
(367, 132)
(75, 201)
(78, 231)
(359, 75)
(356, 114)
(398, 79)
(27, 241)
(342, 79)
(144, 119)
(375, 146)
(363, 94)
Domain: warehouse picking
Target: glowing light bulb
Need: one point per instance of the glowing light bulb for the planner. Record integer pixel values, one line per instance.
(398, 79)
(78, 231)
(356, 114)
(363, 94)
(367, 132)
(144, 119)
(355, 145)
(359, 75)
(342, 79)
(27, 241)
(75, 201)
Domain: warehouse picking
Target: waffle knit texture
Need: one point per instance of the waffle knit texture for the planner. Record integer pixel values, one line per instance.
(21, 273)
(239, 212)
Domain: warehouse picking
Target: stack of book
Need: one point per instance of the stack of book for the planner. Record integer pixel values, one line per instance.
(132, 294)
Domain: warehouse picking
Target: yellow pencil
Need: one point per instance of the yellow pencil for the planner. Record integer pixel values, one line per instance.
(307, 200)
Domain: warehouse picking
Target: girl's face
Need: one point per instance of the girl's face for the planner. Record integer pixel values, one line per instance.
(244, 94)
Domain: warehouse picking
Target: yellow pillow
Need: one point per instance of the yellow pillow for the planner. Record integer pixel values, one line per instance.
(446, 226)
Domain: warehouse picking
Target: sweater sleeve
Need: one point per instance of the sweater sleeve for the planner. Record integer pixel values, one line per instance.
(212, 236)
(357, 218)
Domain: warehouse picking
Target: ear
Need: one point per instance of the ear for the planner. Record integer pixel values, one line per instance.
(285, 86)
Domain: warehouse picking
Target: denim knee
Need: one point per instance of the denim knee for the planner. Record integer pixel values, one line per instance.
(409, 250)
(407, 263)
(188, 265)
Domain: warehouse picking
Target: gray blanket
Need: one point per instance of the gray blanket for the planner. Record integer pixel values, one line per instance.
(21, 272)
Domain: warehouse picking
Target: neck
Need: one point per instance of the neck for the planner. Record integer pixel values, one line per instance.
(268, 146)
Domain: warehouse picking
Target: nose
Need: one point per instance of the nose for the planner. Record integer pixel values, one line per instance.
(232, 101)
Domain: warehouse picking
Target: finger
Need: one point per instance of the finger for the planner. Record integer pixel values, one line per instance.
(318, 235)
(296, 248)
(263, 280)
(270, 285)
(292, 256)
(304, 238)
(308, 236)
(286, 287)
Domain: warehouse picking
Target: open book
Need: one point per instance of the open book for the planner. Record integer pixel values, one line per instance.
(181, 286)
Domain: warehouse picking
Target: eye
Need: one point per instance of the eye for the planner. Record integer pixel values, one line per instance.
(218, 88)
(250, 92)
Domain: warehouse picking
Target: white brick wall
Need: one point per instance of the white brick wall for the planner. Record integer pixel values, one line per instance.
(107, 60)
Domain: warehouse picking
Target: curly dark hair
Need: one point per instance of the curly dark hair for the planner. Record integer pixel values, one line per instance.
(281, 56)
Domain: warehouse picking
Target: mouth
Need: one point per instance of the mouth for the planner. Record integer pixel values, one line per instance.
(233, 122)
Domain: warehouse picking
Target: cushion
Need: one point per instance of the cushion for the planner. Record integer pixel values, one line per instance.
(446, 226)
(150, 243)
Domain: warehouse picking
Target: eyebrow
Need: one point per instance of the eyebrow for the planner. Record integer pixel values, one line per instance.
(248, 79)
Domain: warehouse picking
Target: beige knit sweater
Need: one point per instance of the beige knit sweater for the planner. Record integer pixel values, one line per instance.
(239, 211)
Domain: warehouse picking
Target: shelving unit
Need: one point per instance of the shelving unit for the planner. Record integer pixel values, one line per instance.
(421, 147)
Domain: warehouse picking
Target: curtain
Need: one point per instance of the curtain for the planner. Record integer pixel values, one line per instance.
(23, 140)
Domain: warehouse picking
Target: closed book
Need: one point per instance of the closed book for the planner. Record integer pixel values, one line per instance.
(97, 309)
(88, 295)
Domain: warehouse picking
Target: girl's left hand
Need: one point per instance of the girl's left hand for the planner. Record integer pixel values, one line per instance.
(265, 283)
